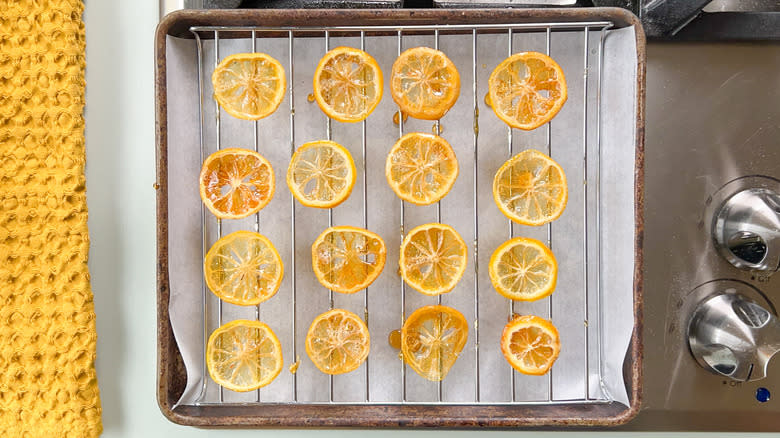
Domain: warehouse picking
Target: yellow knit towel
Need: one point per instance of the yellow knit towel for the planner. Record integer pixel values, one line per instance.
(48, 386)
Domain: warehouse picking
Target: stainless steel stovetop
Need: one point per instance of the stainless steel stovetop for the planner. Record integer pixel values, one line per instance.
(713, 115)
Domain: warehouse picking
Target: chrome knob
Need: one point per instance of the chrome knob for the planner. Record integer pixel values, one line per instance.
(731, 335)
(746, 229)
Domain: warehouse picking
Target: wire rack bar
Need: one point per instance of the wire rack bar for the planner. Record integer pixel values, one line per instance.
(509, 140)
(573, 401)
(219, 221)
(411, 27)
(585, 194)
(586, 28)
(204, 236)
(257, 215)
(403, 284)
(329, 136)
(437, 129)
(291, 65)
(549, 229)
(365, 215)
(476, 209)
(598, 210)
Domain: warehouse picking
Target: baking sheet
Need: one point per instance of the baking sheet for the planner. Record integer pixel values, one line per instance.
(610, 174)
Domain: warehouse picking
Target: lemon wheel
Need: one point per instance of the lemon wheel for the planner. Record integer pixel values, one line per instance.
(249, 86)
(347, 259)
(432, 337)
(243, 355)
(243, 268)
(321, 174)
(348, 84)
(236, 183)
(338, 341)
(421, 168)
(527, 90)
(433, 258)
(424, 83)
(530, 188)
(523, 269)
(530, 344)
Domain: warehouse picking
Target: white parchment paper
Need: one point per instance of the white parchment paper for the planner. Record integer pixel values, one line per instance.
(591, 307)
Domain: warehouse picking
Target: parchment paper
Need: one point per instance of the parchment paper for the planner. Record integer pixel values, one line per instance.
(610, 222)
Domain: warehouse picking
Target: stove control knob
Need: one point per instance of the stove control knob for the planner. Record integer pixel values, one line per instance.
(746, 229)
(731, 335)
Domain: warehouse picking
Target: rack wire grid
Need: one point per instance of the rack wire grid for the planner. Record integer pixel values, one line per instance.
(375, 382)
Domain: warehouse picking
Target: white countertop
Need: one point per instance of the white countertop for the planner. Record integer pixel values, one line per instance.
(120, 176)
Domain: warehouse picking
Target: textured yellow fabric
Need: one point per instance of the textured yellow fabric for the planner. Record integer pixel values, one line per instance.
(48, 386)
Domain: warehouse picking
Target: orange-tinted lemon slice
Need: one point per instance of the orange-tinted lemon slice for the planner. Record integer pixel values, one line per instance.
(530, 344)
(347, 259)
(236, 183)
(527, 90)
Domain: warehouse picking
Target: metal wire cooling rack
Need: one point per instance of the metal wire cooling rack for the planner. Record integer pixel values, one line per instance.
(585, 38)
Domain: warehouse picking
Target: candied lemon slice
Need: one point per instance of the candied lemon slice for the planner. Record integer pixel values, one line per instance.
(347, 84)
(530, 344)
(347, 259)
(530, 188)
(321, 174)
(424, 83)
(433, 258)
(523, 269)
(249, 86)
(337, 341)
(527, 90)
(243, 355)
(236, 183)
(421, 168)
(243, 268)
(431, 340)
